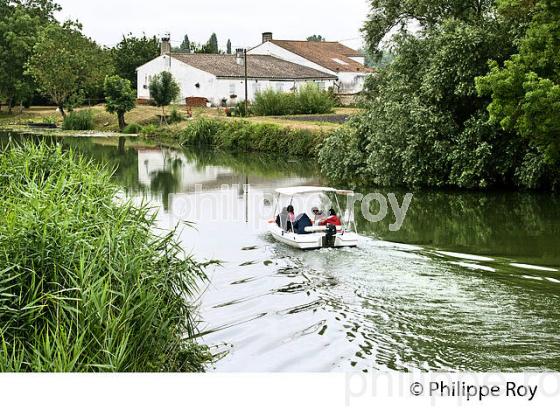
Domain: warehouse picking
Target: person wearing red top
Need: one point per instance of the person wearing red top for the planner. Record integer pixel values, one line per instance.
(331, 220)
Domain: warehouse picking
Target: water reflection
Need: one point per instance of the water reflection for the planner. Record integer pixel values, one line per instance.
(470, 282)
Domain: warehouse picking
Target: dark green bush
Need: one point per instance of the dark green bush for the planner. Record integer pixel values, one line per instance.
(132, 129)
(271, 102)
(243, 136)
(86, 284)
(79, 121)
(309, 99)
(176, 116)
(312, 100)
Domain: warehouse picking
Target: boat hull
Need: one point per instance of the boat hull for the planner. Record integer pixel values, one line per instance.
(312, 240)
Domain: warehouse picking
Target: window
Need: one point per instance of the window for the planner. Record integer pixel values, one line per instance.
(232, 90)
(321, 85)
(280, 87)
(257, 87)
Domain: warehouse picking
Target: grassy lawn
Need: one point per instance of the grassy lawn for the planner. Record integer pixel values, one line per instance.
(144, 115)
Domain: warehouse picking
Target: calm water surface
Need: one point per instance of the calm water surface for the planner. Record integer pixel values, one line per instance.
(470, 282)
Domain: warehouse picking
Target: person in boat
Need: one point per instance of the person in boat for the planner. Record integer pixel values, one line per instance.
(302, 221)
(286, 218)
(331, 220)
(318, 215)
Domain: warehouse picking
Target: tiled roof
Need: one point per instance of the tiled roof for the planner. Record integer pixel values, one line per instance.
(331, 55)
(258, 66)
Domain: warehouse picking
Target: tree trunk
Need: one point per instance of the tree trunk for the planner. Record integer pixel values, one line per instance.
(61, 109)
(122, 123)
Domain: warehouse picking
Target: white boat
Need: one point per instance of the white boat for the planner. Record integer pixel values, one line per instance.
(315, 236)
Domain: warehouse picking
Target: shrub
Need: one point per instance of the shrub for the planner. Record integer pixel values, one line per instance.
(176, 116)
(79, 121)
(150, 130)
(271, 102)
(132, 129)
(201, 132)
(309, 99)
(243, 136)
(312, 100)
(86, 283)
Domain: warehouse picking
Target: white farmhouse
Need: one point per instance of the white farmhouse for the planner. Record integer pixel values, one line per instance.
(220, 78)
(333, 58)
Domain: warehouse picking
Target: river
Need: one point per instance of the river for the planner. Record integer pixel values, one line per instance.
(470, 282)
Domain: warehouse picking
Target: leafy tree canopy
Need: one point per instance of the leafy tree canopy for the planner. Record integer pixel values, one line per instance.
(67, 65)
(316, 37)
(185, 45)
(20, 23)
(131, 53)
(119, 97)
(164, 90)
(387, 15)
(525, 90)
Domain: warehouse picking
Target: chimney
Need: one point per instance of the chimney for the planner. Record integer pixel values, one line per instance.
(240, 56)
(166, 44)
(266, 36)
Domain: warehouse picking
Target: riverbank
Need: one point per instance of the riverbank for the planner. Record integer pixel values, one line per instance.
(148, 115)
(87, 284)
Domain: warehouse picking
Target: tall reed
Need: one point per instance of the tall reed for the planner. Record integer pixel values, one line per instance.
(86, 284)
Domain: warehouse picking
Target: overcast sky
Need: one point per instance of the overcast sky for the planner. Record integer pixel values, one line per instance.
(241, 20)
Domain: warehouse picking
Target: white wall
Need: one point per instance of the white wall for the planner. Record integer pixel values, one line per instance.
(187, 77)
(223, 88)
(210, 87)
(351, 83)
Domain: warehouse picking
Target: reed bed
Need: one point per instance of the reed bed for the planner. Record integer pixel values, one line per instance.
(86, 284)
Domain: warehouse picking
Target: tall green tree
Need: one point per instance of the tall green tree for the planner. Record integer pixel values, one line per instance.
(228, 46)
(425, 123)
(316, 37)
(164, 90)
(20, 23)
(67, 65)
(525, 90)
(387, 15)
(185, 45)
(131, 53)
(120, 97)
(212, 45)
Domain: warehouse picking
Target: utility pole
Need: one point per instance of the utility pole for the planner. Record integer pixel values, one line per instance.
(246, 85)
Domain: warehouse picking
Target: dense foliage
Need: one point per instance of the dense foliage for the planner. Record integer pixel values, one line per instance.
(426, 124)
(525, 91)
(245, 136)
(20, 24)
(164, 90)
(79, 121)
(133, 52)
(119, 97)
(309, 99)
(86, 284)
(67, 65)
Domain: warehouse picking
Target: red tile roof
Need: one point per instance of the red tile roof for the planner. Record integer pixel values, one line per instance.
(333, 56)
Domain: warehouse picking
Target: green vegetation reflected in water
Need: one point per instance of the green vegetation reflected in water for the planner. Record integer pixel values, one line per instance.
(470, 282)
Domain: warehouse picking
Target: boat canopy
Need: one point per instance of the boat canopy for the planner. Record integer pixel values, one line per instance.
(298, 190)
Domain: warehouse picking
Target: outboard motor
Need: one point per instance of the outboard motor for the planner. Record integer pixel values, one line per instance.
(330, 236)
